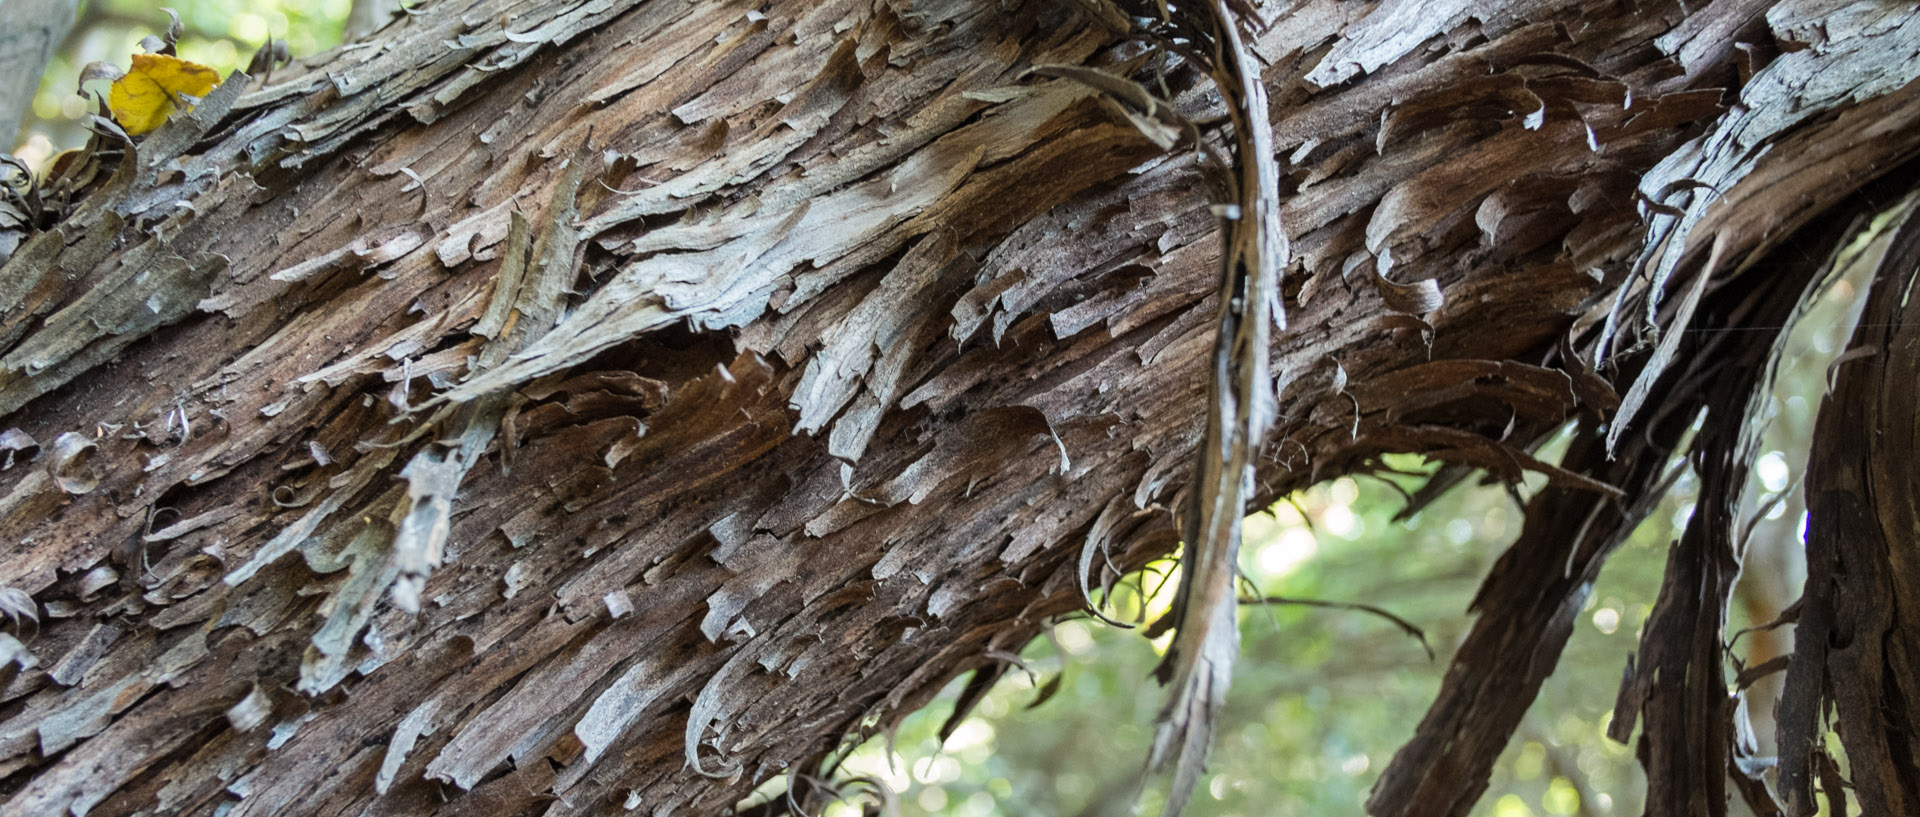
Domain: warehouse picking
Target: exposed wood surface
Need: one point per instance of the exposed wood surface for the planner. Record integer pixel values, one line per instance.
(573, 407)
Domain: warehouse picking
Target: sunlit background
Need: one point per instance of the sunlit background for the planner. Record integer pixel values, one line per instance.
(220, 33)
(1321, 697)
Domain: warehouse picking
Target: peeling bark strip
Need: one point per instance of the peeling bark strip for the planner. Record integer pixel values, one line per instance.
(532, 316)
(1240, 406)
(1823, 69)
(1534, 593)
(1856, 649)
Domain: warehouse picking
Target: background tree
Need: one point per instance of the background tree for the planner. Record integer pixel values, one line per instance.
(534, 401)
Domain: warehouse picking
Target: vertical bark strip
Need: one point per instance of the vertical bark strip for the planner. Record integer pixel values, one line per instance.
(1529, 602)
(1857, 649)
(1527, 608)
(1198, 668)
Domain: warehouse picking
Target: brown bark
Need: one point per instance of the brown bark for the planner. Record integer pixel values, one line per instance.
(558, 408)
(1855, 650)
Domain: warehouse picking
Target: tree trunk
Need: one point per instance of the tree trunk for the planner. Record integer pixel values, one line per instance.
(1856, 646)
(581, 407)
(34, 31)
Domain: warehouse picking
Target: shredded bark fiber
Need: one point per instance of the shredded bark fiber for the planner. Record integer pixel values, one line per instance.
(559, 407)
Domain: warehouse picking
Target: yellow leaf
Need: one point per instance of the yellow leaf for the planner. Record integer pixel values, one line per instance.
(151, 90)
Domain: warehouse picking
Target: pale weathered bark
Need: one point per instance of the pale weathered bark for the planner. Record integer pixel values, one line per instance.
(33, 30)
(559, 407)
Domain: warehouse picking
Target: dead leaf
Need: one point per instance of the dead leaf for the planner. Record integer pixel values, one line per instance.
(154, 88)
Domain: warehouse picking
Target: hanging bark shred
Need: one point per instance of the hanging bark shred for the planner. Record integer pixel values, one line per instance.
(1240, 407)
(443, 412)
(1531, 598)
(1240, 410)
(1854, 653)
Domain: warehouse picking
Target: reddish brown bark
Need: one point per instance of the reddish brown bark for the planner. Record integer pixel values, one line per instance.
(862, 346)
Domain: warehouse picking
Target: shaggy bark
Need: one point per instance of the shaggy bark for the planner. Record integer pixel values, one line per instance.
(1855, 650)
(570, 407)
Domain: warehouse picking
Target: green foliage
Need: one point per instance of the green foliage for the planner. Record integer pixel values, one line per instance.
(1321, 697)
